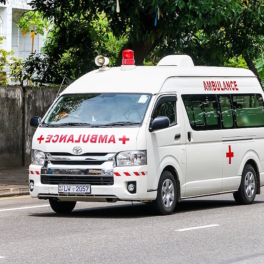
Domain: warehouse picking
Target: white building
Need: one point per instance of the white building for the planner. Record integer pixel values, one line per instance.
(10, 14)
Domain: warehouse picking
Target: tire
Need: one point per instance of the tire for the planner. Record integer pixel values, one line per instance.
(61, 207)
(167, 194)
(248, 186)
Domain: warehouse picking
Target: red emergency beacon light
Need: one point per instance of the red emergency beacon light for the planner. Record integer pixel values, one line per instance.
(128, 57)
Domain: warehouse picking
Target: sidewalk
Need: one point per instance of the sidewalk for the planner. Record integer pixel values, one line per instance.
(13, 181)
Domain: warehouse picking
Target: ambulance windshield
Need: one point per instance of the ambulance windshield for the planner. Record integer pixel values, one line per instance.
(108, 109)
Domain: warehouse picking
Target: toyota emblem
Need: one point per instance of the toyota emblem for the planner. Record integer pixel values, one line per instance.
(77, 150)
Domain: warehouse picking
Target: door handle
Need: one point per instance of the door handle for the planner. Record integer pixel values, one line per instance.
(177, 136)
(189, 135)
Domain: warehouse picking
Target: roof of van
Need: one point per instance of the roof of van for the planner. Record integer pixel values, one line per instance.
(145, 79)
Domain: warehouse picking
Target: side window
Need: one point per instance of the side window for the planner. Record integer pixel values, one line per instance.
(226, 110)
(166, 106)
(198, 115)
(202, 111)
(249, 110)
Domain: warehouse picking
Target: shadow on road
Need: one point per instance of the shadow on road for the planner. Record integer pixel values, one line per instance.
(140, 210)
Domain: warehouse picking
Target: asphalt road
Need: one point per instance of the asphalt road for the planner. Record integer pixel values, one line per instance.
(203, 230)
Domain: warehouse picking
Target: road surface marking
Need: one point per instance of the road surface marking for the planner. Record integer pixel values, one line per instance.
(1, 257)
(23, 208)
(197, 227)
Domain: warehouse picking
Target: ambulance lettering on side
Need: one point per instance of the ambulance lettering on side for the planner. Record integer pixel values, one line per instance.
(155, 134)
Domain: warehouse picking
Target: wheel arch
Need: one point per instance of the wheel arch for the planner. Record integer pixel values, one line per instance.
(169, 163)
(174, 172)
(255, 166)
(251, 158)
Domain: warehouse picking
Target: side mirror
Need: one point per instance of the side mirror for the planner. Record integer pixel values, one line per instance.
(159, 122)
(35, 121)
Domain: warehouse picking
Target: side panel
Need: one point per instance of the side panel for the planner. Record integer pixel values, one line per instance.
(238, 144)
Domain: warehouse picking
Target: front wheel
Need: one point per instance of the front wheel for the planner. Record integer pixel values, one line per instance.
(248, 186)
(167, 194)
(61, 207)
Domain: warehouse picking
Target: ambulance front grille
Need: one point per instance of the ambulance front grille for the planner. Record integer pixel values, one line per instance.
(77, 162)
(98, 180)
(56, 158)
(84, 154)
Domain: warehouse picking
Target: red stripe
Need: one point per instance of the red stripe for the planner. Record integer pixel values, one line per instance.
(32, 172)
(143, 173)
(37, 172)
(127, 174)
(136, 173)
(117, 174)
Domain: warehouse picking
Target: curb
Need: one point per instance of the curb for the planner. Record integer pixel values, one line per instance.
(6, 192)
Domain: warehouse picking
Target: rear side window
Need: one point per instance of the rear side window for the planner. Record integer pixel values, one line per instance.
(226, 110)
(248, 110)
(203, 111)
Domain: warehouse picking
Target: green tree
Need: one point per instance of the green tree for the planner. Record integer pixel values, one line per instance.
(33, 22)
(176, 18)
(240, 34)
(212, 32)
(64, 57)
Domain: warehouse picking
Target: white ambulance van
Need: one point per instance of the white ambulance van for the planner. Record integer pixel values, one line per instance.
(151, 134)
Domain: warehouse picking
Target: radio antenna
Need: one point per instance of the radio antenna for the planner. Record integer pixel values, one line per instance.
(60, 87)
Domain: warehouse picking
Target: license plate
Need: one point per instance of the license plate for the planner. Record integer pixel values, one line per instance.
(75, 189)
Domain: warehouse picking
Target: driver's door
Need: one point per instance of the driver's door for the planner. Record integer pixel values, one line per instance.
(165, 146)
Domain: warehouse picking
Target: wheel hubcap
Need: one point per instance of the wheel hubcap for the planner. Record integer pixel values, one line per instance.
(250, 184)
(167, 193)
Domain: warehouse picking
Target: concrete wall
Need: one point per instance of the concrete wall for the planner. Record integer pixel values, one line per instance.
(17, 106)
(10, 127)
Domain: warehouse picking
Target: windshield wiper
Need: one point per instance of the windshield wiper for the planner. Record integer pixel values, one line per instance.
(118, 124)
(68, 124)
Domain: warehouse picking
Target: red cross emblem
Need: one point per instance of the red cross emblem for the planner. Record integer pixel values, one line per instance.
(40, 139)
(229, 154)
(124, 139)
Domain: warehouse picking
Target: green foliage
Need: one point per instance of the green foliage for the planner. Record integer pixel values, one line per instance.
(70, 50)
(260, 68)
(5, 57)
(212, 32)
(105, 41)
(7, 60)
(33, 21)
(178, 21)
(237, 62)
(16, 70)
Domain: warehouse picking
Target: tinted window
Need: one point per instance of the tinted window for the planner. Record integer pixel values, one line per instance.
(248, 110)
(202, 111)
(226, 110)
(166, 106)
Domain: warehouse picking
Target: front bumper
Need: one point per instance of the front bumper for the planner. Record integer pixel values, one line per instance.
(122, 175)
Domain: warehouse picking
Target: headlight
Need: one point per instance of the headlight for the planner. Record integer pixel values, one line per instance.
(131, 158)
(37, 157)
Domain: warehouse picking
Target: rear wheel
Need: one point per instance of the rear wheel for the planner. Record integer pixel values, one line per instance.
(248, 186)
(61, 207)
(167, 194)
